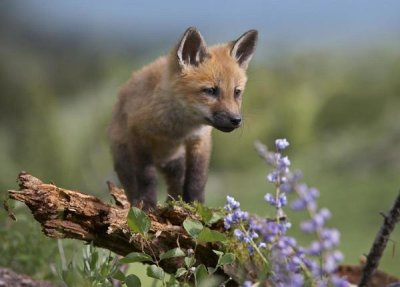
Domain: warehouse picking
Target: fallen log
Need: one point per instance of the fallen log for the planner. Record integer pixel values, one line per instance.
(71, 214)
(64, 213)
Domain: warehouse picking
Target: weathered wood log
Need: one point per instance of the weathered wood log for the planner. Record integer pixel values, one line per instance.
(71, 214)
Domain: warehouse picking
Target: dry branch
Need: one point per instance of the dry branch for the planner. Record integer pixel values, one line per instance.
(379, 245)
(71, 214)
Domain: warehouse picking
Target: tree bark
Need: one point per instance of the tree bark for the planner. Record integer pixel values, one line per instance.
(71, 214)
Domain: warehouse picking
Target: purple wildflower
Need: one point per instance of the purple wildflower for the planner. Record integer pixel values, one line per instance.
(325, 213)
(231, 203)
(268, 237)
(331, 262)
(281, 144)
(282, 199)
(269, 198)
(298, 204)
(273, 177)
(238, 233)
(283, 163)
(228, 221)
(236, 215)
(330, 238)
(339, 282)
(286, 186)
(262, 245)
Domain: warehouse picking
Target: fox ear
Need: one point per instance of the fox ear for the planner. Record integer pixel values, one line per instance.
(243, 48)
(192, 49)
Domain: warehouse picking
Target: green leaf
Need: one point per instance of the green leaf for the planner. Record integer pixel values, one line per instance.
(208, 235)
(118, 275)
(219, 253)
(180, 272)
(71, 277)
(211, 270)
(227, 258)
(216, 216)
(189, 261)
(138, 221)
(208, 215)
(200, 274)
(205, 212)
(94, 257)
(156, 272)
(173, 282)
(176, 252)
(132, 281)
(136, 257)
(192, 227)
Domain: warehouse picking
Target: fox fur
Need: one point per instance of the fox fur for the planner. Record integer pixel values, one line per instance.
(165, 113)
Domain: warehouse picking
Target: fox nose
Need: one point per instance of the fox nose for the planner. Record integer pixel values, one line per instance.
(236, 120)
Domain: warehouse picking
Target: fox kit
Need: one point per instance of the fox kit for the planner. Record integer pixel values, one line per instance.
(165, 113)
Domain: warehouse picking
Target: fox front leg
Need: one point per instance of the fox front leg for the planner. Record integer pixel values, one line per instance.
(137, 174)
(174, 173)
(197, 161)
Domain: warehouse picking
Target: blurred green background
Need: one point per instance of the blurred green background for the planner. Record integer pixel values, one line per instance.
(326, 77)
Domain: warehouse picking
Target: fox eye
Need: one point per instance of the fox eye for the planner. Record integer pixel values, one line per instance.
(237, 93)
(211, 91)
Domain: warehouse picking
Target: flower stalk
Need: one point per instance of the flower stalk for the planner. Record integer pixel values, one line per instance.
(288, 263)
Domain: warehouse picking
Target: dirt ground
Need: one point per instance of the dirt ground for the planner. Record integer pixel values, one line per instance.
(9, 278)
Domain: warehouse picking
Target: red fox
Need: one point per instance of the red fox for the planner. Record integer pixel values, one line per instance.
(165, 113)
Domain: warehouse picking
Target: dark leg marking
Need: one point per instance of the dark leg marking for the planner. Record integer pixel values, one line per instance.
(197, 160)
(174, 173)
(137, 175)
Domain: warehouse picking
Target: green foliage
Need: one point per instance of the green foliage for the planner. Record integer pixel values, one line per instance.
(138, 221)
(227, 258)
(136, 257)
(208, 215)
(196, 229)
(205, 213)
(118, 275)
(192, 227)
(174, 283)
(190, 269)
(190, 261)
(24, 248)
(155, 272)
(176, 252)
(97, 268)
(208, 235)
(180, 272)
(201, 274)
(132, 281)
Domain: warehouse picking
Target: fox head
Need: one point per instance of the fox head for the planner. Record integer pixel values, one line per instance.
(209, 82)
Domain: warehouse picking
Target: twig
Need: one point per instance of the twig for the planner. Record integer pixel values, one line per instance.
(380, 242)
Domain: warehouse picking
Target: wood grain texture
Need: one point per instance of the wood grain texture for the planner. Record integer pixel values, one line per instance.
(72, 214)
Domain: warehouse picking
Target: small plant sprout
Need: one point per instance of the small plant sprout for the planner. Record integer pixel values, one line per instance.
(190, 270)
